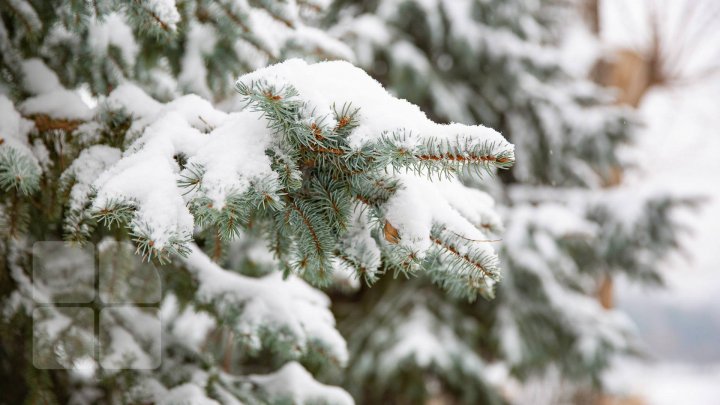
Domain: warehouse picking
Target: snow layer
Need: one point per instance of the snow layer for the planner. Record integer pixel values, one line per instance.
(269, 302)
(165, 11)
(132, 99)
(201, 39)
(38, 78)
(113, 31)
(161, 210)
(50, 97)
(85, 169)
(329, 84)
(186, 394)
(14, 128)
(295, 383)
(422, 203)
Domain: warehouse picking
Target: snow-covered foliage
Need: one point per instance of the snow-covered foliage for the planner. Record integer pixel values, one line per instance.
(198, 225)
(295, 162)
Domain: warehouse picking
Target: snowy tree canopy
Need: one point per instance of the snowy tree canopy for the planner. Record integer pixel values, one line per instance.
(302, 172)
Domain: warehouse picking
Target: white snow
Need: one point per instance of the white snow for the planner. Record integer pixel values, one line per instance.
(135, 101)
(50, 97)
(161, 209)
(269, 302)
(186, 394)
(14, 128)
(422, 203)
(293, 382)
(231, 152)
(230, 160)
(359, 244)
(38, 78)
(113, 30)
(85, 169)
(178, 127)
(62, 104)
(200, 42)
(410, 211)
(165, 11)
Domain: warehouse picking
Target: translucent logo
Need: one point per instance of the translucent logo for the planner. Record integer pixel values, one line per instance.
(95, 306)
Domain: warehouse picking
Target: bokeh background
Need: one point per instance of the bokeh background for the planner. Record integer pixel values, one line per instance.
(668, 53)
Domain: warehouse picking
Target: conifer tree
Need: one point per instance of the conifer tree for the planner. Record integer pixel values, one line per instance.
(569, 220)
(236, 199)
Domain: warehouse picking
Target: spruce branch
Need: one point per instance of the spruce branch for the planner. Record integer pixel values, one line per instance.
(148, 21)
(462, 266)
(119, 212)
(370, 276)
(334, 199)
(314, 240)
(147, 247)
(240, 19)
(336, 173)
(346, 118)
(442, 157)
(284, 163)
(18, 172)
(191, 178)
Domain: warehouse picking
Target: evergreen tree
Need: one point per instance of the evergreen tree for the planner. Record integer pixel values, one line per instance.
(235, 201)
(570, 222)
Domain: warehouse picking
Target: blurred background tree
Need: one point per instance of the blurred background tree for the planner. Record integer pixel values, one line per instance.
(570, 222)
